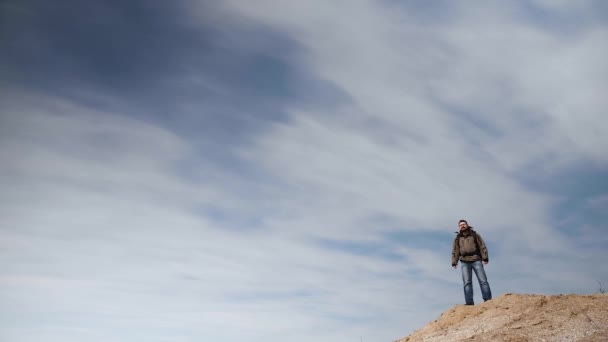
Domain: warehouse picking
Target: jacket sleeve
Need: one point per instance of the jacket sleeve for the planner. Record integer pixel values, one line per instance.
(483, 249)
(455, 252)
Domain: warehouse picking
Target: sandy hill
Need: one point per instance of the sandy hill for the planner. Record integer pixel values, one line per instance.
(519, 318)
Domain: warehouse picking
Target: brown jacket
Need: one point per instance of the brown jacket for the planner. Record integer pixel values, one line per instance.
(469, 246)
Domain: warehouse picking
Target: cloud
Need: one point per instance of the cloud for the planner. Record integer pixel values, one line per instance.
(308, 177)
(446, 119)
(97, 224)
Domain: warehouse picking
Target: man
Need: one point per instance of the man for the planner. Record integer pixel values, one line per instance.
(471, 250)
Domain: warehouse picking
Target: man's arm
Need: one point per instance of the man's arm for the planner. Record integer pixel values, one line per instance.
(455, 252)
(485, 256)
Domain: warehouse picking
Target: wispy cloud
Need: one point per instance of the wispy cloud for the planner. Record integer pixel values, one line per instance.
(295, 170)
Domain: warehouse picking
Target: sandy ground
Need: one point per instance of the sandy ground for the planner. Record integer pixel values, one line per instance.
(520, 318)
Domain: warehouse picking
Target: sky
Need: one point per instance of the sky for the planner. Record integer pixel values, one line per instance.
(295, 171)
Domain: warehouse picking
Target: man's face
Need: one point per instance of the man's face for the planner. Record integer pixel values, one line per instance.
(463, 226)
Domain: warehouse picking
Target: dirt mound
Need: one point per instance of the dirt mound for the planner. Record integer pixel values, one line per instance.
(519, 318)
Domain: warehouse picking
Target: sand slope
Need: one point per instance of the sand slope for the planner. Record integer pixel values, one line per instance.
(519, 318)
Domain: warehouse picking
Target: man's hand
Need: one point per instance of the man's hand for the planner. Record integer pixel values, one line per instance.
(485, 262)
(455, 266)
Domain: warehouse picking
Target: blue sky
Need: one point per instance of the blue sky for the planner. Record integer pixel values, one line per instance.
(290, 170)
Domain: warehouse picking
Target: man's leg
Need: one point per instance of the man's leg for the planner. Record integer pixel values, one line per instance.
(466, 281)
(480, 272)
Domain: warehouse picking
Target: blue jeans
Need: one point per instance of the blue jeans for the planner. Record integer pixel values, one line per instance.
(477, 266)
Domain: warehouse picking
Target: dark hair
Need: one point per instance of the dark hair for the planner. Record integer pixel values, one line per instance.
(465, 221)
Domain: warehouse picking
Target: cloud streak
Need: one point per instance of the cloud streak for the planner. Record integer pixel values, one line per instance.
(302, 179)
